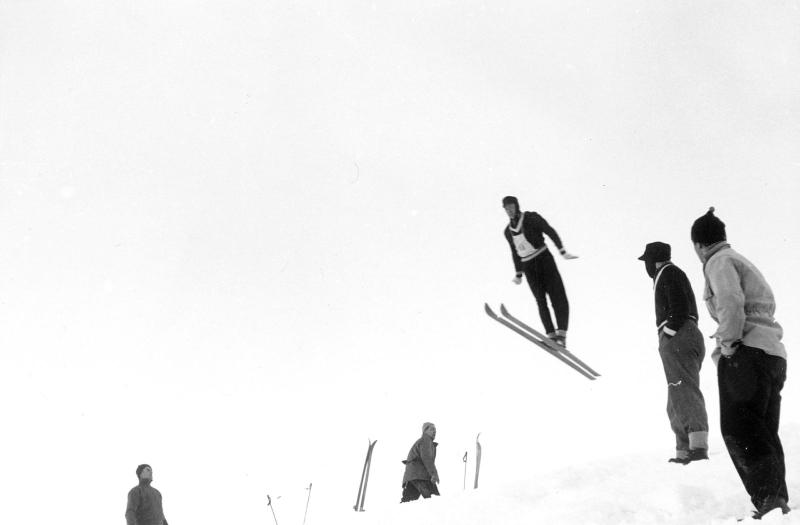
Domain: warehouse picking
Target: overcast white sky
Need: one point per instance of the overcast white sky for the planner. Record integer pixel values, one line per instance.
(243, 237)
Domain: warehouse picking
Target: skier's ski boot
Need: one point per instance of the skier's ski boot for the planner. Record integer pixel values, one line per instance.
(559, 337)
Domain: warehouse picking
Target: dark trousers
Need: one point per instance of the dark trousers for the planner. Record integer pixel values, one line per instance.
(415, 488)
(750, 383)
(542, 275)
(682, 356)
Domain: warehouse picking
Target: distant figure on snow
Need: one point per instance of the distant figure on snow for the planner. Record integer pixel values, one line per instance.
(421, 477)
(533, 259)
(144, 502)
(681, 347)
(751, 364)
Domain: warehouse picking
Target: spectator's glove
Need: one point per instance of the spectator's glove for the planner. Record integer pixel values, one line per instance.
(565, 254)
(517, 279)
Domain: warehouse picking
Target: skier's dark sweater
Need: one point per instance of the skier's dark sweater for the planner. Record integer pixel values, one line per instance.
(533, 226)
(675, 301)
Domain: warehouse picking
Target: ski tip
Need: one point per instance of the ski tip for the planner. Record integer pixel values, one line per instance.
(503, 309)
(488, 309)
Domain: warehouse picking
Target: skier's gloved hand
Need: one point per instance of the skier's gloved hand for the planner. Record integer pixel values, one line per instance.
(517, 279)
(435, 479)
(565, 254)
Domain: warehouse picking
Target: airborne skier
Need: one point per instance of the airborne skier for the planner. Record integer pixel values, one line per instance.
(531, 257)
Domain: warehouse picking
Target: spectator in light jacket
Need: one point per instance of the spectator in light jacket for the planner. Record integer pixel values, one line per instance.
(751, 364)
(420, 477)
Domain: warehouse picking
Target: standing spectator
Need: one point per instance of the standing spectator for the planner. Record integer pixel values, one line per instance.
(144, 502)
(751, 364)
(681, 347)
(421, 477)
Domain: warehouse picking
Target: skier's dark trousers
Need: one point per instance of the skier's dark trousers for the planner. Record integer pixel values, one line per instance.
(544, 280)
(525, 235)
(751, 364)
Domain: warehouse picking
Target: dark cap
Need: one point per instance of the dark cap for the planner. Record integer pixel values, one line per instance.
(656, 252)
(708, 229)
(510, 199)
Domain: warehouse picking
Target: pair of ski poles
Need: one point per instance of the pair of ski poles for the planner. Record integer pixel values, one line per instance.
(274, 517)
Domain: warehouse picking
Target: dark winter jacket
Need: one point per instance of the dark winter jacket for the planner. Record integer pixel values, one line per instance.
(525, 237)
(420, 460)
(144, 506)
(675, 302)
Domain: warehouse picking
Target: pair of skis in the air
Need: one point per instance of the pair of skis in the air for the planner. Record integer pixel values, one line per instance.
(542, 341)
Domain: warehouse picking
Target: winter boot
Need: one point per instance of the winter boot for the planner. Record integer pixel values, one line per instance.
(681, 457)
(684, 457)
(696, 454)
(769, 505)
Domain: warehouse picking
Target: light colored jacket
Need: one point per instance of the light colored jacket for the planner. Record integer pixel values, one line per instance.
(741, 302)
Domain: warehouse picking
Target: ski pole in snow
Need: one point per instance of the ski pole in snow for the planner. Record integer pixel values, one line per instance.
(477, 458)
(269, 504)
(309, 499)
(464, 459)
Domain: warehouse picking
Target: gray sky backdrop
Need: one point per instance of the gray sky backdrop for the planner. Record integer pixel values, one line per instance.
(241, 238)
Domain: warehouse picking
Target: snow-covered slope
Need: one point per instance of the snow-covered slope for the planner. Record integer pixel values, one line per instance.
(635, 489)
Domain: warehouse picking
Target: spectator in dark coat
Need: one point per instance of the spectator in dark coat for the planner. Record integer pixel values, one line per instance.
(144, 502)
(421, 477)
(681, 347)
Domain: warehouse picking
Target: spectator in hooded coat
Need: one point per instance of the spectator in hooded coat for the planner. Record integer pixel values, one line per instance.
(420, 477)
(144, 501)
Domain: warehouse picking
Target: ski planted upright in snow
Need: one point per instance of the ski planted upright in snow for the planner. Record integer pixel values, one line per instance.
(477, 458)
(547, 340)
(362, 487)
(556, 352)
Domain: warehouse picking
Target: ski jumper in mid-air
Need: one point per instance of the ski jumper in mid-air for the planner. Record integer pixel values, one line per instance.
(524, 234)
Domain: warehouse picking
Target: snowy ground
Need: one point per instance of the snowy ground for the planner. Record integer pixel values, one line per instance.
(638, 489)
